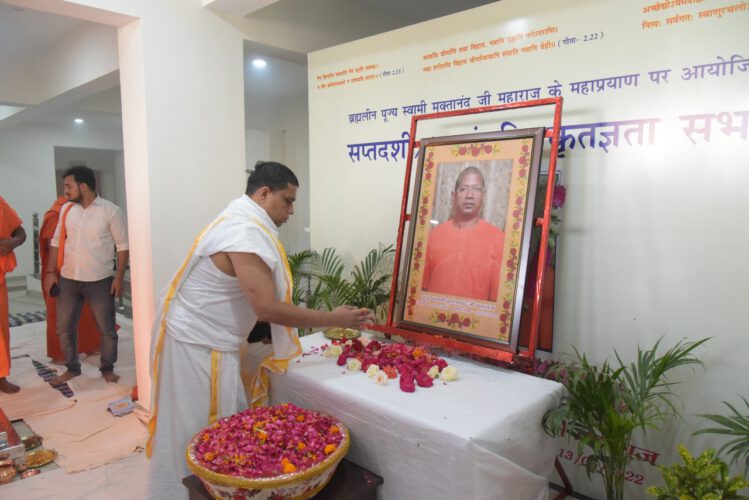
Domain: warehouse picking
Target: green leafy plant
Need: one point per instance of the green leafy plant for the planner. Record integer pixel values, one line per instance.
(322, 280)
(301, 272)
(736, 426)
(705, 477)
(605, 404)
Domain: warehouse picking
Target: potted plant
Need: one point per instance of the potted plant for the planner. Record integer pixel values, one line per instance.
(705, 477)
(604, 405)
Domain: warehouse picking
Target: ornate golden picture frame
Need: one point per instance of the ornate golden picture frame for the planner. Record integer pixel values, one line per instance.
(471, 220)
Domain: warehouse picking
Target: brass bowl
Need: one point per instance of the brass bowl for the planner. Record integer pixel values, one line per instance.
(31, 442)
(298, 485)
(341, 333)
(7, 474)
(40, 458)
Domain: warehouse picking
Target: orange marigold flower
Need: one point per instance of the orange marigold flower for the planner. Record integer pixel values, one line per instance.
(334, 429)
(300, 418)
(288, 467)
(329, 449)
(300, 446)
(209, 456)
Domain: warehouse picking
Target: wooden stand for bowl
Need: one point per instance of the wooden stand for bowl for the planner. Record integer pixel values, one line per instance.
(349, 482)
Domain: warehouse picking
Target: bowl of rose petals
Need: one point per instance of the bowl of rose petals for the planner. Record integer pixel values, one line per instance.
(274, 452)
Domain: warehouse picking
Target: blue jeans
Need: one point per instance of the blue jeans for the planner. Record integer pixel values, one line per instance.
(69, 305)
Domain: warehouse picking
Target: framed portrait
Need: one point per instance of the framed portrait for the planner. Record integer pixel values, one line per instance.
(467, 252)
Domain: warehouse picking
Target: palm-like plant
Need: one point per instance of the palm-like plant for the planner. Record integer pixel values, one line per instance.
(321, 281)
(301, 272)
(736, 426)
(371, 280)
(605, 404)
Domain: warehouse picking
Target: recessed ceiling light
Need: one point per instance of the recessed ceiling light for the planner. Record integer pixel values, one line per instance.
(259, 63)
(78, 120)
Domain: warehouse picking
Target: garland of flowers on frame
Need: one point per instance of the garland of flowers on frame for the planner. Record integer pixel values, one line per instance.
(515, 237)
(419, 240)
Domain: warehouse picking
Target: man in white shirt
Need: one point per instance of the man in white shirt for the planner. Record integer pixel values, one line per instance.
(82, 253)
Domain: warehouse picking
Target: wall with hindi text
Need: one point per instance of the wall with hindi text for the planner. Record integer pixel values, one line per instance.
(653, 153)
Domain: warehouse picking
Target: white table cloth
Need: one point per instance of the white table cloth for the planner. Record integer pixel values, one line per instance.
(478, 437)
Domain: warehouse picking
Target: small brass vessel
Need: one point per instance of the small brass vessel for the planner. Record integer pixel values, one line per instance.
(341, 333)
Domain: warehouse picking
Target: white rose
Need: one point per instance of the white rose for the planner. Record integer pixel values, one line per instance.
(336, 350)
(381, 378)
(434, 371)
(353, 364)
(372, 371)
(449, 373)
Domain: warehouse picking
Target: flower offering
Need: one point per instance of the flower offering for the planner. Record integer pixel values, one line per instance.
(267, 442)
(415, 365)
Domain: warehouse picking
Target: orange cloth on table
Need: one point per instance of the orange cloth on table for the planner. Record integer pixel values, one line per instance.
(464, 262)
(89, 336)
(9, 222)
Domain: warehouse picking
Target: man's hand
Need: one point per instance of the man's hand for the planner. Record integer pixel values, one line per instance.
(49, 280)
(116, 289)
(352, 317)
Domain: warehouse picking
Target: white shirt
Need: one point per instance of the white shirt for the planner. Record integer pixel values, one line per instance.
(91, 236)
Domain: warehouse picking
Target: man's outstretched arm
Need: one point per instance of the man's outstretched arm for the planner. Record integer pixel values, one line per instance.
(256, 281)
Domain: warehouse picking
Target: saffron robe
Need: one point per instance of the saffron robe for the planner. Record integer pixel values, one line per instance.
(464, 262)
(9, 222)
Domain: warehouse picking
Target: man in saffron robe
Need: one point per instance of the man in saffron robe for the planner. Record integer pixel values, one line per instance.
(235, 274)
(88, 333)
(12, 235)
(463, 256)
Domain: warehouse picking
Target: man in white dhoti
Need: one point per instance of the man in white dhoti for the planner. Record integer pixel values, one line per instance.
(235, 274)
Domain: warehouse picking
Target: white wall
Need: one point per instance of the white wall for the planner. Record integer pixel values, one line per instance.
(282, 135)
(181, 78)
(651, 243)
(27, 170)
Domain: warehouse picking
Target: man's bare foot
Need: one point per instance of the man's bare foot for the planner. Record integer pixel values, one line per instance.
(110, 377)
(7, 387)
(61, 379)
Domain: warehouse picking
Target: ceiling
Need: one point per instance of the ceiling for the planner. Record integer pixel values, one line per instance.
(24, 34)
